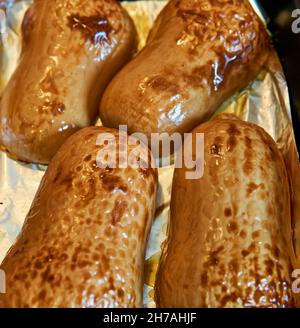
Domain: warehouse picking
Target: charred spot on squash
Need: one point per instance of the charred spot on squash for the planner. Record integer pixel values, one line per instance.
(93, 28)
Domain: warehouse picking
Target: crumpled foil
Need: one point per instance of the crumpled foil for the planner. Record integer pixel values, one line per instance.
(264, 102)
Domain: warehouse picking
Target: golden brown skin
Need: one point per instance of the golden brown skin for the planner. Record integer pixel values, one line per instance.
(71, 50)
(198, 54)
(230, 236)
(83, 242)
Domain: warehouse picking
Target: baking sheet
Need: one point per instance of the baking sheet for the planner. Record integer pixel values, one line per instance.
(264, 102)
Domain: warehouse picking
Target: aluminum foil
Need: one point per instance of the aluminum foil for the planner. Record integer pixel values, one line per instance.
(264, 102)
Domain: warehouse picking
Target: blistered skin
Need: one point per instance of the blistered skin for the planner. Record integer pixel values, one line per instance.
(198, 54)
(230, 238)
(71, 50)
(83, 242)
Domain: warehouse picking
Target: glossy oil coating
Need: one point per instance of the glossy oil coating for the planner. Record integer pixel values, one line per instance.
(230, 236)
(71, 49)
(198, 54)
(83, 242)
